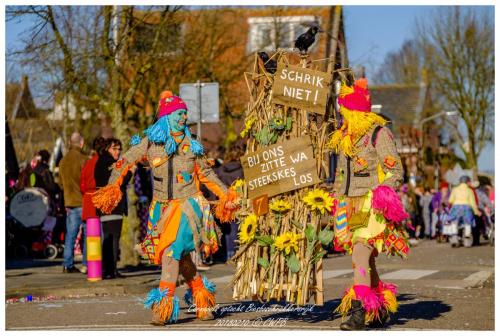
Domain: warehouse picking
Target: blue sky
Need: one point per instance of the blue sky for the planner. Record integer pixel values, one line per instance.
(371, 32)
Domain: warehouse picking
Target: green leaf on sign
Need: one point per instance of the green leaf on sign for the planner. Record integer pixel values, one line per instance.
(325, 236)
(264, 240)
(274, 138)
(288, 123)
(310, 233)
(293, 263)
(263, 262)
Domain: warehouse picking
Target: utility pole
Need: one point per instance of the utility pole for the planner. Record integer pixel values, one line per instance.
(199, 85)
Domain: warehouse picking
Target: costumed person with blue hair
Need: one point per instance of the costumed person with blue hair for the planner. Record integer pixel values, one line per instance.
(180, 220)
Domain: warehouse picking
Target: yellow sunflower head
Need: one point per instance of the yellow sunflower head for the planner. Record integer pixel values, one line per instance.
(248, 229)
(287, 242)
(280, 206)
(248, 125)
(320, 200)
(238, 185)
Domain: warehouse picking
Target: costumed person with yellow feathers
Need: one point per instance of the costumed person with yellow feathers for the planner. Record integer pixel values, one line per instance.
(180, 220)
(369, 213)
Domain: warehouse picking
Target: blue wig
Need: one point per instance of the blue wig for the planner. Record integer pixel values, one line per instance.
(159, 132)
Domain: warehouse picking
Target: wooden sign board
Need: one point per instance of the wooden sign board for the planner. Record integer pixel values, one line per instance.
(301, 88)
(280, 168)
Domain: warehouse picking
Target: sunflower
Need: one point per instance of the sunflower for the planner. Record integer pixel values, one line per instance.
(287, 241)
(277, 124)
(280, 206)
(318, 199)
(247, 229)
(248, 125)
(238, 183)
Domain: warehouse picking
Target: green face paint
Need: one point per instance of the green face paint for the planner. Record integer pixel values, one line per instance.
(178, 120)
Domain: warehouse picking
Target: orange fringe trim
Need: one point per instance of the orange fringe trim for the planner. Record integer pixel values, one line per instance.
(202, 298)
(163, 310)
(226, 215)
(108, 197)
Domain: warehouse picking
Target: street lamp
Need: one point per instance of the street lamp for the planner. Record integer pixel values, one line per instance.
(421, 128)
(437, 115)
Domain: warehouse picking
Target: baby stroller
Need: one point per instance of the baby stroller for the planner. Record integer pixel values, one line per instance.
(30, 228)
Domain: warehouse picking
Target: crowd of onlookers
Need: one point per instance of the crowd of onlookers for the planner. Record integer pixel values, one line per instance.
(80, 174)
(433, 211)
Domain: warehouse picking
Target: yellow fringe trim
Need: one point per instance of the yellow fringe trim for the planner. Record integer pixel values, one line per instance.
(356, 124)
(345, 305)
(390, 302)
(164, 309)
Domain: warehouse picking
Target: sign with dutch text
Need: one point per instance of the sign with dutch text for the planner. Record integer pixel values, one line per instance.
(301, 88)
(279, 168)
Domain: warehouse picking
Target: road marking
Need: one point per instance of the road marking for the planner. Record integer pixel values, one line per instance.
(479, 277)
(188, 326)
(407, 274)
(335, 273)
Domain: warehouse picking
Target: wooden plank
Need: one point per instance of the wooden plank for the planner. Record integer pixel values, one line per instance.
(301, 88)
(283, 167)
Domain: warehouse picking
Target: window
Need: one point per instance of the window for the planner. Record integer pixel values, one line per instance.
(270, 33)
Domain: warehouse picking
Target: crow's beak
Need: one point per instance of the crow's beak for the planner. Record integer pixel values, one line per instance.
(320, 30)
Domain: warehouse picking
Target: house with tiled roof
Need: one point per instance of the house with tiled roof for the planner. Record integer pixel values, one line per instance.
(405, 105)
(29, 129)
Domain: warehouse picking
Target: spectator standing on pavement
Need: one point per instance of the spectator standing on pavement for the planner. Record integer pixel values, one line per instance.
(439, 207)
(43, 176)
(463, 208)
(425, 203)
(70, 170)
(87, 180)
(143, 187)
(485, 208)
(111, 223)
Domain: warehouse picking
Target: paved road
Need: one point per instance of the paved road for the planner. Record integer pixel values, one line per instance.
(440, 288)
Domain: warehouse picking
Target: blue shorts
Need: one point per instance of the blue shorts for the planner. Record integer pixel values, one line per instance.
(184, 242)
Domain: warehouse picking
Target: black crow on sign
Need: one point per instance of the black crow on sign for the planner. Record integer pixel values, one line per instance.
(269, 64)
(304, 41)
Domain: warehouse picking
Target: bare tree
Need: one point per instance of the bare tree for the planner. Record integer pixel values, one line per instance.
(460, 58)
(403, 66)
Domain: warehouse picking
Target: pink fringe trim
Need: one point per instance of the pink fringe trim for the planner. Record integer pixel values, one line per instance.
(387, 286)
(369, 298)
(387, 201)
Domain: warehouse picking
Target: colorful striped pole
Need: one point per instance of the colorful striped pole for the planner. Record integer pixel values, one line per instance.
(94, 255)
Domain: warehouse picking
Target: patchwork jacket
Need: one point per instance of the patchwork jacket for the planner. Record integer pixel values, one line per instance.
(175, 177)
(376, 160)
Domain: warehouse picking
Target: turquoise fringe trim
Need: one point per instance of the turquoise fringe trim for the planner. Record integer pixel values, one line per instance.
(210, 286)
(154, 296)
(196, 147)
(136, 139)
(175, 311)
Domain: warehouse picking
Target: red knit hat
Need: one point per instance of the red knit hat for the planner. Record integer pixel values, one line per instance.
(169, 103)
(356, 98)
